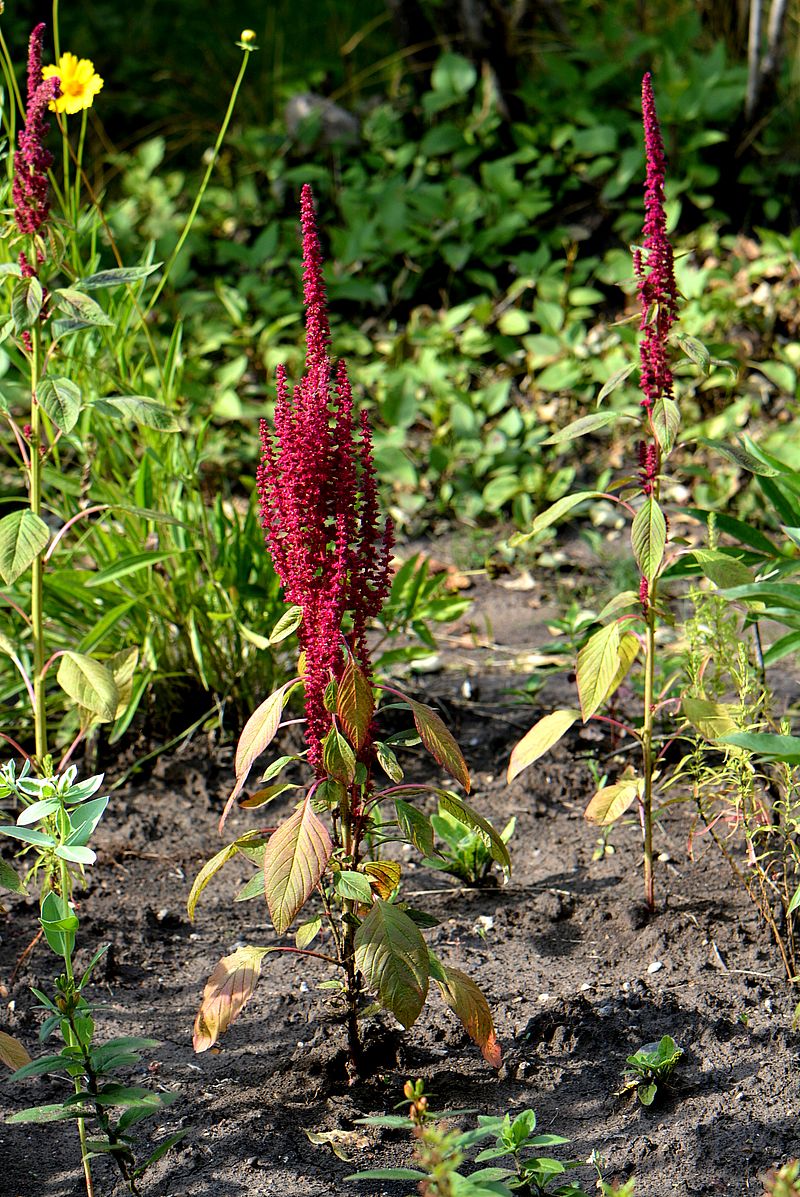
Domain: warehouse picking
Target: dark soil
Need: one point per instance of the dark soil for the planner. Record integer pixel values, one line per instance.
(577, 976)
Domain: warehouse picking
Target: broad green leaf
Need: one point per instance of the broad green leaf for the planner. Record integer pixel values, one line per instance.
(294, 861)
(741, 457)
(628, 652)
(388, 761)
(766, 744)
(439, 741)
(76, 854)
(494, 842)
(616, 379)
(610, 802)
(209, 870)
(561, 508)
(118, 277)
(540, 739)
(415, 826)
(724, 571)
(61, 400)
(695, 350)
(9, 879)
(620, 602)
(795, 902)
(28, 835)
(289, 622)
(50, 1113)
(26, 303)
(23, 536)
(90, 684)
(227, 992)
(352, 886)
(598, 663)
(393, 959)
(141, 409)
(355, 705)
(262, 797)
(338, 759)
(469, 1005)
(40, 1067)
(12, 1053)
(584, 426)
(80, 307)
(254, 888)
(649, 538)
(307, 932)
(712, 719)
(666, 424)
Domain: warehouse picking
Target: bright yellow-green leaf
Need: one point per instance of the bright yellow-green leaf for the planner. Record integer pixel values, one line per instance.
(648, 538)
(294, 861)
(712, 719)
(540, 739)
(598, 663)
(610, 802)
(90, 683)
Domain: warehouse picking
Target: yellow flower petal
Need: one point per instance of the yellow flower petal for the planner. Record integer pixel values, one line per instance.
(80, 83)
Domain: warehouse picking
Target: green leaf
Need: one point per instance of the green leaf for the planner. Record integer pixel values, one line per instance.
(649, 538)
(666, 424)
(539, 740)
(439, 741)
(695, 350)
(294, 861)
(493, 840)
(352, 886)
(289, 622)
(61, 400)
(723, 570)
(27, 298)
(766, 744)
(40, 1067)
(469, 1005)
(610, 802)
(29, 835)
(227, 992)
(23, 536)
(647, 1092)
(307, 932)
(795, 902)
(90, 684)
(415, 826)
(561, 508)
(585, 425)
(254, 888)
(51, 1113)
(118, 277)
(9, 879)
(257, 734)
(76, 854)
(741, 457)
(141, 409)
(616, 379)
(389, 1173)
(598, 663)
(392, 957)
(388, 761)
(355, 705)
(80, 307)
(129, 565)
(209, 870)
(338, 759)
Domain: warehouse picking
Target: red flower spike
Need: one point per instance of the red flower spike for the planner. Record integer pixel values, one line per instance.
(319, 505)
(30, 191)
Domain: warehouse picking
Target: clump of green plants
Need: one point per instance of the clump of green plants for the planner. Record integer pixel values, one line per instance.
(650, 1068)
(57, 819)
(462, 850)
(441, 1152)
(783, 1181)
(630, 620)
(319, 504)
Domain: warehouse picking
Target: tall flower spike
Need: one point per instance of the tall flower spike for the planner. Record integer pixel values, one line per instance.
(319, 507)
(30, 190)
(658, 294)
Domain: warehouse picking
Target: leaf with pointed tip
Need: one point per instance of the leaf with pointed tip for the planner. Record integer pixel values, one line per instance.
(598, 662)
(666, 424)
(213, 866)
(355, 704)
(561, 508)
(649, 538)
(9, 879)
(610, 802)
(80, 307)
(584, 426)
(90, 684)
(439, 741)
(289, 622)
(61, 400)
(227, 992)
(27, 298)
(470, 1007)
(384, 876)
(23, 536)
(723, 570)
(122, 275)
(712, 719)
(540, 739)
(415, 826)
(392, 957)
(465, 814)
(256, 735)
(141, 409)
(616, 379)
(294, 861)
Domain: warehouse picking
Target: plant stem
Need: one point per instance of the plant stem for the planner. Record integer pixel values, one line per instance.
(37, 565)
(67, 955)
(198, 199)
(648, 762)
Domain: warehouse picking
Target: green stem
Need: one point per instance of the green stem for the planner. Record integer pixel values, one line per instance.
(37, 566)
(67, 954)
(187, 228)
(79, 168)
(648, 761)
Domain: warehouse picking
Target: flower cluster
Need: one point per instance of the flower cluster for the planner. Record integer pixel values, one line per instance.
(319, 503)
(655, 272)
(31, 161)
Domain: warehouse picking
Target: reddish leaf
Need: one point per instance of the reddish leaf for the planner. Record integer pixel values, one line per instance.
(227, 992)
(384, 876)
(257, 733)
(439, 741)
(469, 1005)
(294, 861)
(355, 705)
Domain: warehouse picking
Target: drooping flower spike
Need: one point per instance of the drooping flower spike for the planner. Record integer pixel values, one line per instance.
(319, 506)
(30, 188)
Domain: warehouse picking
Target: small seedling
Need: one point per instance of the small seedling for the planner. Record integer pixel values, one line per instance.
(651, 1067)
(783, 1182)
(464, 852)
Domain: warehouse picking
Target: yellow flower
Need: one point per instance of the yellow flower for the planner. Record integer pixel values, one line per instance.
(80, 83)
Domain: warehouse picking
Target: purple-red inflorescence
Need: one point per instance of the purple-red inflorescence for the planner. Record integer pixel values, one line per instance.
(30, 190)
(654, 266)
(319, 503)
